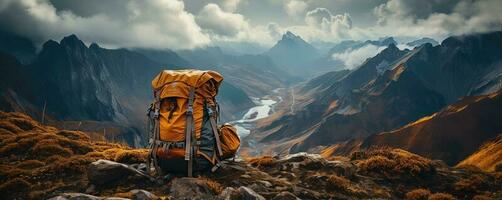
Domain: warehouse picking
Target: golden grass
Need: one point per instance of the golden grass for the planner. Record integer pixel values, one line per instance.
(38, 160)
(487, 157)
(441, 196)
(418, 194)
(264, 161)
(393, 163)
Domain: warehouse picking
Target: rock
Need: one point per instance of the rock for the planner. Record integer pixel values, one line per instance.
(341, 168)
(75, 196)
(285, 195)
(142, 195)
(91, 189)
(102, 172)
(191, 188)
(266, 183)
(242, 192)
(82, 196)
(245, 176)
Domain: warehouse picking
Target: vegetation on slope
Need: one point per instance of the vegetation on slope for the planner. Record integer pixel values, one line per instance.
(38, 160)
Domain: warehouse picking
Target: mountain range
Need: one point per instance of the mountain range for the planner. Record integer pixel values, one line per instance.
(388, 91)
(93, 88)
(402, 98)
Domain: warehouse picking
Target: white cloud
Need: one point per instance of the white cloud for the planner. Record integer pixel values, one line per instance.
(437, 19)
(274, 30)
(352, 58)
(155, 24)
(219, 22)
(295, 7)
(231, 5)
(224, 26)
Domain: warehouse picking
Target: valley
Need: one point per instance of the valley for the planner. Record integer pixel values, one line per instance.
(241, 99)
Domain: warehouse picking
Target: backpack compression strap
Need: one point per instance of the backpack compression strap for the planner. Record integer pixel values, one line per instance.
(152, 154)
(189, 150)
(212, 121)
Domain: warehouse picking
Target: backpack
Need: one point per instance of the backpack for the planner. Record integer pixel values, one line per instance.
(183, 131)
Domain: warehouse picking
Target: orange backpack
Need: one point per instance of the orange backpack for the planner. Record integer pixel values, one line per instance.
(183, 122)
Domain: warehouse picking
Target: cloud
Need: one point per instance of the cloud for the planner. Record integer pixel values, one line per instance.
(230, 5)
(322, 25)
(219, 22)
(274, 30)
(153, 24)
(437, 19)
(295, 7)
(352, 58)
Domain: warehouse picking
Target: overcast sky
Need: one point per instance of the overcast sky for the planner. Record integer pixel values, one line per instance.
(188, 24)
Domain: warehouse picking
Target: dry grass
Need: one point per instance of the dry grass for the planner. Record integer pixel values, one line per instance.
(472, 184)
(39, 160)
(441, 196)
(481, 197)
(214, 186)
(488, 156)
(393, 163)
(418, 194)
(265, 161)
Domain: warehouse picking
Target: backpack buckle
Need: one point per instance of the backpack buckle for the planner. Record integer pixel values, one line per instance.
(190, 110)
(209, 111)
(156, 113)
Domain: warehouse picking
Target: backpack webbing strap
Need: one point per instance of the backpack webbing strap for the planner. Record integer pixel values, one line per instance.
(189, 131)
(152, 154)
(212, 121)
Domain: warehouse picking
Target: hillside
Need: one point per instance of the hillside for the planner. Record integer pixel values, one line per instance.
(451, 134)
(292, 53)
(39, 162)
(488, 157)
(388, 91)
(101, 88)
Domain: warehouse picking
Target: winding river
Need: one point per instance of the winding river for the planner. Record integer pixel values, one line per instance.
(264, 107)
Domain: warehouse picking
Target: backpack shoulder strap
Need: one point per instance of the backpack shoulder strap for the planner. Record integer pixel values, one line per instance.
(189, 129)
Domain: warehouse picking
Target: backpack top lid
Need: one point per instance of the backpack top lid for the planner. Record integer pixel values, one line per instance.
(178, 82)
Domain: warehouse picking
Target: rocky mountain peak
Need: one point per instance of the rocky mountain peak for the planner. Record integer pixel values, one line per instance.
(72, 41)
(94, 46)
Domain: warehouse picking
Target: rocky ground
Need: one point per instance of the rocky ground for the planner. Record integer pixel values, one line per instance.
(40, 162)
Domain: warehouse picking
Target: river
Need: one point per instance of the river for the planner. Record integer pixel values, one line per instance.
(264, 107)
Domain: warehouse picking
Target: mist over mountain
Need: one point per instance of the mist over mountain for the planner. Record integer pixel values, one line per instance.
(292, 53)
(257, 75)
(422, 41)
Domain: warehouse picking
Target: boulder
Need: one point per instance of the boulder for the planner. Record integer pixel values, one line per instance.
(191, 188)
(242, 192)
(82, 196)
(285, 195)
(103, 172)
(142, 195)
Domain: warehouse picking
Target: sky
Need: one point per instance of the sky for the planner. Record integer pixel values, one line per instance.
(176, 24)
